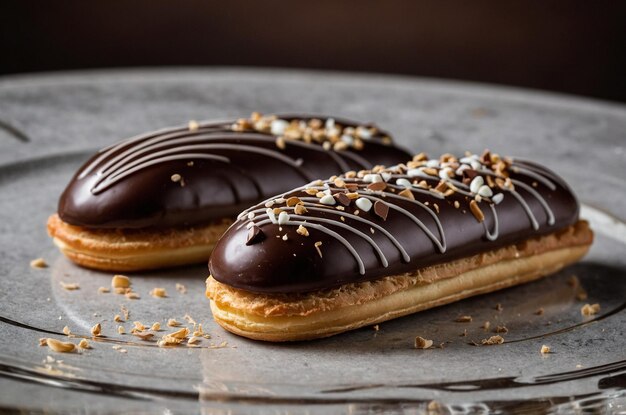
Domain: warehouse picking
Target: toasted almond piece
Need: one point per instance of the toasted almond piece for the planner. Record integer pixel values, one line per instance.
(464, 319)
(545, 349)
(118, 319)
(121, 330)
(302, 231)
(84, 344)
(143, 335)
(407, 193)
(478, 214)
(156, 326)
(66, 331)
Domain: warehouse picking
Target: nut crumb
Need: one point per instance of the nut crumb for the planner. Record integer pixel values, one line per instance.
(193, 125)
(84, 344)
(539, 311)
(118, 319)
(173, 323)
(422, 343)
(158, 292)
(486, 325)
(464, 319)
(590, 309)
(121, 330)
(104, 290)
(125, 311)
(143, 335)
(120, 281)
(59, 346)
(38, 263)
(181, 288)
(70, 286)
(317, 246)
(132, 295)
(376, 327)
(302, 231)
(545, 349)
(66, 331)
(156, 326)
(96, 330)
(499, 307)
(493, 340)
(501, 329)
(194, 340)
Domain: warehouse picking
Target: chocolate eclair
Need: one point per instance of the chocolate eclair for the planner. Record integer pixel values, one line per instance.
(163, 198)
(369, 246)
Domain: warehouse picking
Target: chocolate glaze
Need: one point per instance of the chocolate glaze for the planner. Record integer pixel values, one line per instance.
(206, 171)
(538, 202)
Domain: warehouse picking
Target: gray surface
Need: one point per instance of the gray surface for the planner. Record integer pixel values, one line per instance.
(67, 116)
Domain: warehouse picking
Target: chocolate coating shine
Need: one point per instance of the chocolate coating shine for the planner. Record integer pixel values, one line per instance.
(194, 174)
(519, 200)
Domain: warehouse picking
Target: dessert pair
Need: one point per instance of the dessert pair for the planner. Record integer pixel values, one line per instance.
(369, 244)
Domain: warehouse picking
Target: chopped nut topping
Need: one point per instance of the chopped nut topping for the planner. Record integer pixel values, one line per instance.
(104, 290)
(118, 319)
(194, 340)
(156, 326)
(38, 263)
(464, 319)
(475, 209)
(486, 325)
(292, 201)
(338, 182)
(84, 344)
(302, 231)
(125, 311)
(590, 309)
(545, 349)
(66, 330)
(407, 193)
(493, 340)
(499, 307)
(176, 178)
(158, 292)
(422, 343)
(70, 286)
(317, 246)
(120, 281)
(138, 326)
(121, 330)
(59, 346)
(299, 209)
(96, 330)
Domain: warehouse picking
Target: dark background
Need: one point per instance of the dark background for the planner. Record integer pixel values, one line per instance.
(576, 46)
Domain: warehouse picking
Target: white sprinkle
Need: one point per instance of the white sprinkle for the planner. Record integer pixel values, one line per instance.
(330, 123)
(372, 178)
(364, 204)
(269, 204)
(364, 133)
(249, 225)
(468, 160)
(485, 191)
(432, 163)
(328, 200)
(285, 236)
(271, 215)
(347, 139)
(278, 127)
(283, 218)
(459, 171)
(414, 173)
(251, 215)
(386, 176)
(497, 198)
(476, 183)
(445, 173)
(279, 200)
(476, 165)
(403, 182)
